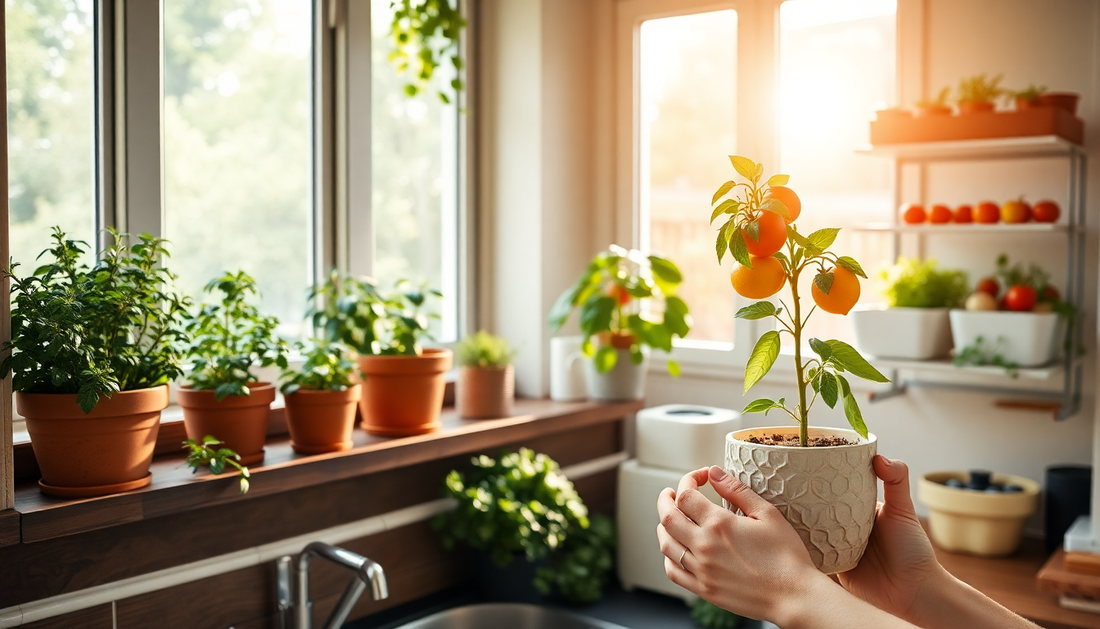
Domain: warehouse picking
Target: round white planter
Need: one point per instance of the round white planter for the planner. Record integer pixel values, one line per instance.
(927, 332)
(977, 522)
(625, 381)
(827, 494)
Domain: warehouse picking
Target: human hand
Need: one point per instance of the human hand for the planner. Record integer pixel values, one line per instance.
(754, 565)
(899, 561)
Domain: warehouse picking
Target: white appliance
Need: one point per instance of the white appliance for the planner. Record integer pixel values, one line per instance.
(672, 440)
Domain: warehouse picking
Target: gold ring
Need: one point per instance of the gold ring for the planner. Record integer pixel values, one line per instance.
(681, 559)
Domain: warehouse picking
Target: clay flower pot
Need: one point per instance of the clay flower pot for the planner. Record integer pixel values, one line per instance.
(1063, 100)
(485, 393)
(827, 494)
(102, 452)
(240, 422)
(403, 395)
(924, 111)
(977, 522)
(1023, 104)
(321, 421)
(975, 108)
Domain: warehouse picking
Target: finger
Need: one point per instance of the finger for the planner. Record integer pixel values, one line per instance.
(895, 483)
(739, 494)
(688, 498)
(675, 522)
(681, 577)
(673, 549)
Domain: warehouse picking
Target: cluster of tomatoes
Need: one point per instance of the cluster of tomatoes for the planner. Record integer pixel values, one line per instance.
(1019, 297)
(986, 212)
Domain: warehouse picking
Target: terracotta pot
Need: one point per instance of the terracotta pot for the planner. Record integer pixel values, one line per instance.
(238, 421)
(1062, 100)
(893, 114)
(827, 494)
(103, 452)
(976, 108)
(321, 421)
(976, 522)
(932, 110)
(485, 393)
(1023, 104)
(403, 395)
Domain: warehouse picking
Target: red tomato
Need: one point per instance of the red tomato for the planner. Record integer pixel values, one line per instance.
(988, 212)
(1050, 294)
(1016, 211)
(620, 293)
(989, 285)
(940, 214)
(1020, 298)
(914, 214)
(964, 214)
(1046, 212)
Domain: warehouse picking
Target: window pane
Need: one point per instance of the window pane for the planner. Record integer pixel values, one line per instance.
(237, 146)
(688, 74)
(51, 110)
(837, 66)
(414, 179)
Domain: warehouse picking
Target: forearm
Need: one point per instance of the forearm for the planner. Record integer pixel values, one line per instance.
(826, 605)
(948, 603)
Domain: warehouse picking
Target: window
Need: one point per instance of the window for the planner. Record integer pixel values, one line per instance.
(687, 111)
(51, 111)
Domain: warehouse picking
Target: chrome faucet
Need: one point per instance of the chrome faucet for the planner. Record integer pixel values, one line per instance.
(297, 605)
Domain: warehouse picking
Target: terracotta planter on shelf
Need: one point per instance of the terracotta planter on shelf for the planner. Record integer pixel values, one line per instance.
(321, 421)
(103, 452)
(238, 421)
(403, 395)
(827, 494)
(1023, 104)
(976, 108)
(932, 110)
(485, 393)
(1061, 100)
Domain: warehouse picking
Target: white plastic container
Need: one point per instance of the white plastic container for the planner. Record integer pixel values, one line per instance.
(683, 437)
(1028, 339)
(902, 333)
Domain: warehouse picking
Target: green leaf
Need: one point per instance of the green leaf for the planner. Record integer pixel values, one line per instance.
(676, 316)
(758, 174)
(822, 238)
(596, 314)
(855, 418)
(753, 230)
(778, 180)
(729, 206)
(847, 357)
(744, 166)
(664, 270)
(636, 355)
(722, 243)
(821, 348)
(853, 266)
(673, 368)
(845, 388)
(759, 406)
(723, 189)
(605, 359)
(759, 310)
(762, 358)
(738, 249)
(799, 239)
(775, 206)
(828, 388)
(824, 281)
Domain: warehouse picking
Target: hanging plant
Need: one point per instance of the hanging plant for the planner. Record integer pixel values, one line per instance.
(425, 32)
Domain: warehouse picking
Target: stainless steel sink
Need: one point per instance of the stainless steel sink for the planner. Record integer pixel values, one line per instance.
(507, 616)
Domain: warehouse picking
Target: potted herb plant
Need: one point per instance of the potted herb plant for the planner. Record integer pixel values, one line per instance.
(1028, 98)
(935, 107)
(979, 94)
(403, 382)
(229, 338)
(486, 380)
(919, 297)
(530, 527)
(628, 304)
(820, 478)
(321, 398)
(92, 352)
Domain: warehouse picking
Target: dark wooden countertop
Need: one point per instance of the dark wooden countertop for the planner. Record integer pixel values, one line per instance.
(175, 489)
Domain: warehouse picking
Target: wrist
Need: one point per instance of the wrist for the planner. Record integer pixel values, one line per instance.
(800, 608)
(936, 592)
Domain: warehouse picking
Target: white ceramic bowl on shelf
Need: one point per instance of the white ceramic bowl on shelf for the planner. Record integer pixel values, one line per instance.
(1028, 339)
(902, 333)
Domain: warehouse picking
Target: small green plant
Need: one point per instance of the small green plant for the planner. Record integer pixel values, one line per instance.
(710, 616)
(981, 89)
(117, 326)
(356, 313)
(1031, 94)
(230, 336)
(629, 295)
(912, 283)
(982, 353)
(579, 570)
(485, 351)
(208, 454)
(327, 367)
(939, 101)
(424, 32)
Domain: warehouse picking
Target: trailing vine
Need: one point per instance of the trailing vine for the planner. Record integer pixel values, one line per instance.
(425, 35)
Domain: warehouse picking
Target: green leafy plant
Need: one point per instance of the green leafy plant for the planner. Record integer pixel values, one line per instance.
(982, 353)
(117, 326)
(208, 454)
(484, 350)
(823, 376)
(230, 336)
(981, 89)
(1032, 93)
(710, 616)
(424, 32)
(1016, 274)
(629, 295)
(580, 568)
(353, 311)
(327, 367)
(912, 283)
(939, 101)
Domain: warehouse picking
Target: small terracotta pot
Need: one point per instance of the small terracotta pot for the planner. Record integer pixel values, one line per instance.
(240, 422)
(620, 340)
(1024, 104)
(932, 110)
(894, 114)
(403, 395)
(103, 452)
(321, 421)
(976, 108)
(1064, 100)
(485, 393)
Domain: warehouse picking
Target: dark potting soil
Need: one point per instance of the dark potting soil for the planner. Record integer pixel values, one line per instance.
(792, 441)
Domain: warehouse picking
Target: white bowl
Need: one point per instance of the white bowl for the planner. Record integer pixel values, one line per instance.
(1029, 339)
(903, 333)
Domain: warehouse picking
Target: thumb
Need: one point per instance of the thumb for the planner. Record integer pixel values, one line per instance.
(739, 494)
(895, 483)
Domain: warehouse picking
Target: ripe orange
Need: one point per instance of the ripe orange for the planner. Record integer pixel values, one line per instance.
(914, 215)
(787, 196)
(1016, 211)
(964, 214)
(988, 212)
(940, 214)
(843, 294)
(773, 235)
(763, 280)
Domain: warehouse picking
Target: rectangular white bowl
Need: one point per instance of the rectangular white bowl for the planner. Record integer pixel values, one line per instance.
(902, 333)
(1029, 339)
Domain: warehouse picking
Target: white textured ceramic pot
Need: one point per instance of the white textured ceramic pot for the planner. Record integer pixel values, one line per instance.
(827, 494)
(927, 332)
(625, 381)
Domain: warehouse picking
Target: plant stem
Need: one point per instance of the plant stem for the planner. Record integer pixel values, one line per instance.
(803, 419)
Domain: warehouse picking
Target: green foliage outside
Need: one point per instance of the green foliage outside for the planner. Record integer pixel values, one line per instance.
(710, 616)
(116, 326)
(424, 32)
(484, 350)
(913, 283)
(327, 367)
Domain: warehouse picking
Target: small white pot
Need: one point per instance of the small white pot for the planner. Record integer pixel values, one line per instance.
(827, 494)
(903, 333)
(1029, 339)
(977, 522)
(625, 381)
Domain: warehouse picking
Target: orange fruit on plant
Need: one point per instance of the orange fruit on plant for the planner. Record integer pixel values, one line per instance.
(788, 198)
(1046, 212)
(773, 235)
(988, 213)
(940, 214)
(963, 214)
(763, 280)
(914, 215)
(620, 293)
(843, 294)
(1016, 211)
